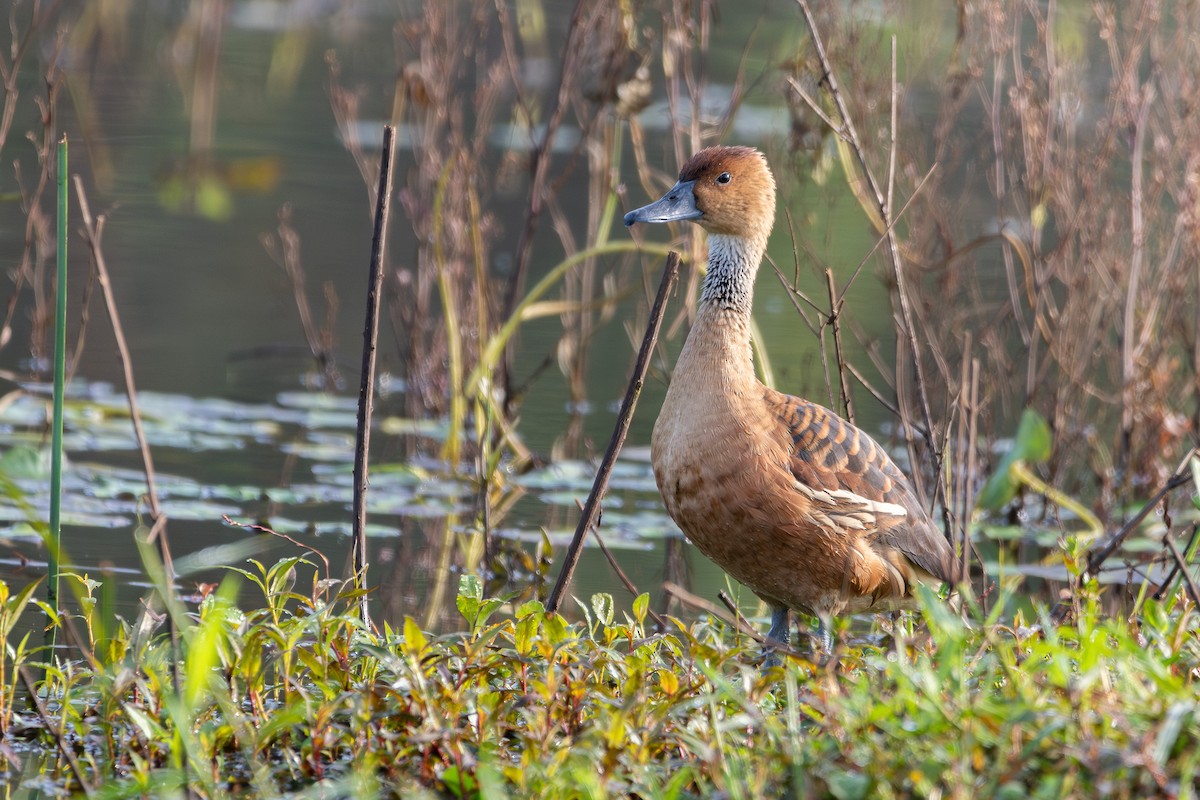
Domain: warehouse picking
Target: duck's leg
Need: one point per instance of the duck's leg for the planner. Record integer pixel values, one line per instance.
(825, 635)
(779, 636)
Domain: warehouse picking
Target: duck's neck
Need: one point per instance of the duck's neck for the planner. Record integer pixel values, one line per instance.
(718, 348)
(732, 265)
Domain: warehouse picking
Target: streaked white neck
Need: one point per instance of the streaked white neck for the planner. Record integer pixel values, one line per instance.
(732, 266)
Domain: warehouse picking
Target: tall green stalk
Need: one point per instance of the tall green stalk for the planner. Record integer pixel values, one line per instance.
(60, 360)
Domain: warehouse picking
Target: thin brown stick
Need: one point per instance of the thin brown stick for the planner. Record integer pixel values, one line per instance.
(1138, 230)
(695, 601)
(742, 622)
(59, 739)
(591, 509)
(91, 235)
(284, 250)
(969, 491)
(620, 573)
(1166, 584)
(251, 526)
(848, 132)
(1183, 569)
(878, 395)
(92, 229)
(883, 237)
(835, 321)
(957, 493)
(366, 385)
(1102, 553)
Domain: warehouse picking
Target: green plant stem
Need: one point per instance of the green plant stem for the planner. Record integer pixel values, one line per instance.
(495, 346)
(1023, 474)
(60, 361)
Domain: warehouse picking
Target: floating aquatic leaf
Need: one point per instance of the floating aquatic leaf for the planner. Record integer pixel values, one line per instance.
(320, 451)
(1002, 532)
(559, 475)
(570, 499)
(25, 462)
(640, 525)
(399, 426)
(562, 537)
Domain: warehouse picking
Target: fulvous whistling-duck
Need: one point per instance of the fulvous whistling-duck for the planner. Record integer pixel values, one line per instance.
(791, 500)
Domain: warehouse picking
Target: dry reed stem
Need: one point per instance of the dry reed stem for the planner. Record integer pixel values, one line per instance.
(591, 509)
(1100, 554)
(537, 189)
(835, 321)
(158, 531)
(1184, 569)
(1177, 566)
(695, 601)
(366, 389)
(848, 132)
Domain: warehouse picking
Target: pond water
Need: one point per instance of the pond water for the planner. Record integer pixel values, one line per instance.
(237, 425)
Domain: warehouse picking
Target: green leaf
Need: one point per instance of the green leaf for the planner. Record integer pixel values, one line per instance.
(849, 785)
(203, 651)
(602, 604)
(414, 639)
(1032, 443)
(25, 462)
(529, 622)
(470, 593)
(530, 608)
(641, 604)
(459, 783)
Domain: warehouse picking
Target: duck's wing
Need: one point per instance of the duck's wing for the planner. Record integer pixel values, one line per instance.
(855, 486)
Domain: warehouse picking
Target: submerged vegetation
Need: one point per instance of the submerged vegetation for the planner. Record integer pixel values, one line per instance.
(1027, 179)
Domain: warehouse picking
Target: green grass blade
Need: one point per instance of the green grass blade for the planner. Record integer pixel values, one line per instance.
(60, 360)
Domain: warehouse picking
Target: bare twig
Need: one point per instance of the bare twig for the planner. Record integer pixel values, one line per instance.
(848, 132)
(251, 526)
(1102, 553)
(59, 739)
(367, 379)
(92, 229)
(284, 249)
(1183, 569)
(742, 622)
(1166, 583)
(1138, 229)
(969, 484)
(835, 321)
(620, 573)
(624, 417)
(695, 601)
(91, 234)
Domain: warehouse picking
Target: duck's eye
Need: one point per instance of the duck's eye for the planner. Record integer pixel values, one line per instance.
(724, 177)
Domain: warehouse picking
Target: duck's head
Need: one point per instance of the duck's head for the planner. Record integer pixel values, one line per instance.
(725, 190)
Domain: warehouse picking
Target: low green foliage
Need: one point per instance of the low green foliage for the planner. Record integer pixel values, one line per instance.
(520, 703)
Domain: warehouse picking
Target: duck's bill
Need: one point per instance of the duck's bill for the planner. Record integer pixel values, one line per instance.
(676, 205)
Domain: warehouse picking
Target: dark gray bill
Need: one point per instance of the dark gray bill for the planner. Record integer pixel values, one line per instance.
(677, 204)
